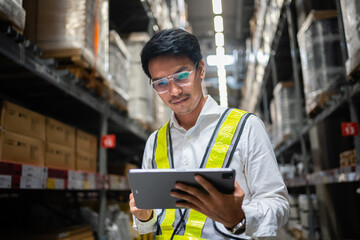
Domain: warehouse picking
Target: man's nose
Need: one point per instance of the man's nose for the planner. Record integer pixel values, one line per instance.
(174, 89)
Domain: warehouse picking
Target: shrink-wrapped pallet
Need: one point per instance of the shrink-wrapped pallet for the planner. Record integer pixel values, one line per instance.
(162, 112)
(119, 69)
(351, 17)
(321, 60)
(140, 104)
(68, 29)
(286, 109)
(12, 11)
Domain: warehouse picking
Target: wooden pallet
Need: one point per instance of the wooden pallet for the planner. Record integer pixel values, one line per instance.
(316, 105)
(297, 234)
(5, 25)
(92, 81)
(74, 61)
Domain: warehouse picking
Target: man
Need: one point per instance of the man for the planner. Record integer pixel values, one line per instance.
(258, 207)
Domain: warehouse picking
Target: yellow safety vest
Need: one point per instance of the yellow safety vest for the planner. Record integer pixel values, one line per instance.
(218, 154)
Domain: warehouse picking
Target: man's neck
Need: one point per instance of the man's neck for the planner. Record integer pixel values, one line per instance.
(187, 121)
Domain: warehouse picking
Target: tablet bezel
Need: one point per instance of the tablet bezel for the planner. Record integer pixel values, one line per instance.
(151, 187)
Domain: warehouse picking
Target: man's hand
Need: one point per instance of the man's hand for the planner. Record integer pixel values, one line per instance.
(224, 208)
(143, 215)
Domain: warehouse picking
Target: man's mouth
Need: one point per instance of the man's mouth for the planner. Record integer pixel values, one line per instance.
(179, 101)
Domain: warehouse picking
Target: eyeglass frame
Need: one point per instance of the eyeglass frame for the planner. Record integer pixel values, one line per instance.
(171, 77)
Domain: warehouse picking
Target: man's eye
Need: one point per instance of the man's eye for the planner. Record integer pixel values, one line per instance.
(161, 83)
(183, 76)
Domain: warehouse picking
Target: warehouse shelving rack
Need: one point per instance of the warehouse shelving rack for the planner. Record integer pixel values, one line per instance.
(347, 97)
(34, 83)
(37, 84)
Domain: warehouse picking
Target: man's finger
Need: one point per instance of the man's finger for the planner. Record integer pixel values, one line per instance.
(207, 185)
(187, 197)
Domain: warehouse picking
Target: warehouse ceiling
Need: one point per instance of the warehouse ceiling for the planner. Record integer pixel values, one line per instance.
(128, 16)
(236, 15)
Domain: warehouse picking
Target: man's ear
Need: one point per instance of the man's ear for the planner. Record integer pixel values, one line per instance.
(202, 68)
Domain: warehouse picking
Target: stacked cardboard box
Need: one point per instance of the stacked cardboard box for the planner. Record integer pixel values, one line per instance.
(60, 145)
(31, 138)
(348, 158)
(12, 11)
(86, 151)
(22, 135)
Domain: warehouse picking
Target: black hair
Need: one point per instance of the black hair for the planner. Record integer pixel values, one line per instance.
(169, 42)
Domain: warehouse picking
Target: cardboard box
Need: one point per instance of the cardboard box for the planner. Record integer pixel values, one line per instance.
(17, 148)
(23, 121)
(86, 142)
(59, 156)
(60, 133)
(86, 161)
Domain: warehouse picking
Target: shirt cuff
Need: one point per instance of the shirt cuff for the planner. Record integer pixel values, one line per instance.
(254, 223)
(145, 227)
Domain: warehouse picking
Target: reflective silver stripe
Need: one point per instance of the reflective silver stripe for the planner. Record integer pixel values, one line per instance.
(169, 147)
(153, 162)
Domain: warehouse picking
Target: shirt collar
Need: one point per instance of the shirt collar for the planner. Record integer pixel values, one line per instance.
(210, 108)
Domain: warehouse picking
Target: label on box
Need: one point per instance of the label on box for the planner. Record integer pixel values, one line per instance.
(91, 179)
(5, 181)
(89, 183)
(75, 180)
(33, 171)
(55, 183)
(349, 129)
(27, 182)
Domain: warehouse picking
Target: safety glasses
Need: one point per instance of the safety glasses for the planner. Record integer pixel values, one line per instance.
(162, 85)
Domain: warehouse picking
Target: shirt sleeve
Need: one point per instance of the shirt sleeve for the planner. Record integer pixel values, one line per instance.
(268, 208)
(145, 227)
(149, 226)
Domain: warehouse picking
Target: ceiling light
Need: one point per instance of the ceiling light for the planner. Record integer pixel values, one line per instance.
(220, 51)
(215, 60)
(223, 91)
(219, 39)
(221, 72)
(218, 24)
(216, 4)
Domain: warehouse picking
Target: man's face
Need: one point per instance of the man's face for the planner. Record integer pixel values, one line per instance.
(181, 99)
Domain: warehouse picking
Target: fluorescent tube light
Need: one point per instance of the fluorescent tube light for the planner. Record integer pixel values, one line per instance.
(218, 24)
(217, 8)
(219, 39)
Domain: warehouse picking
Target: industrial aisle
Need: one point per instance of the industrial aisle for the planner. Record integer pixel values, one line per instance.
(72, 124)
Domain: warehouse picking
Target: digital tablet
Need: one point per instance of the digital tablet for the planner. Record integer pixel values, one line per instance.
(151, 187)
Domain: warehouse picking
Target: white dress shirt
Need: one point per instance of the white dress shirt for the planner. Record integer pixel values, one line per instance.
(265, 203)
